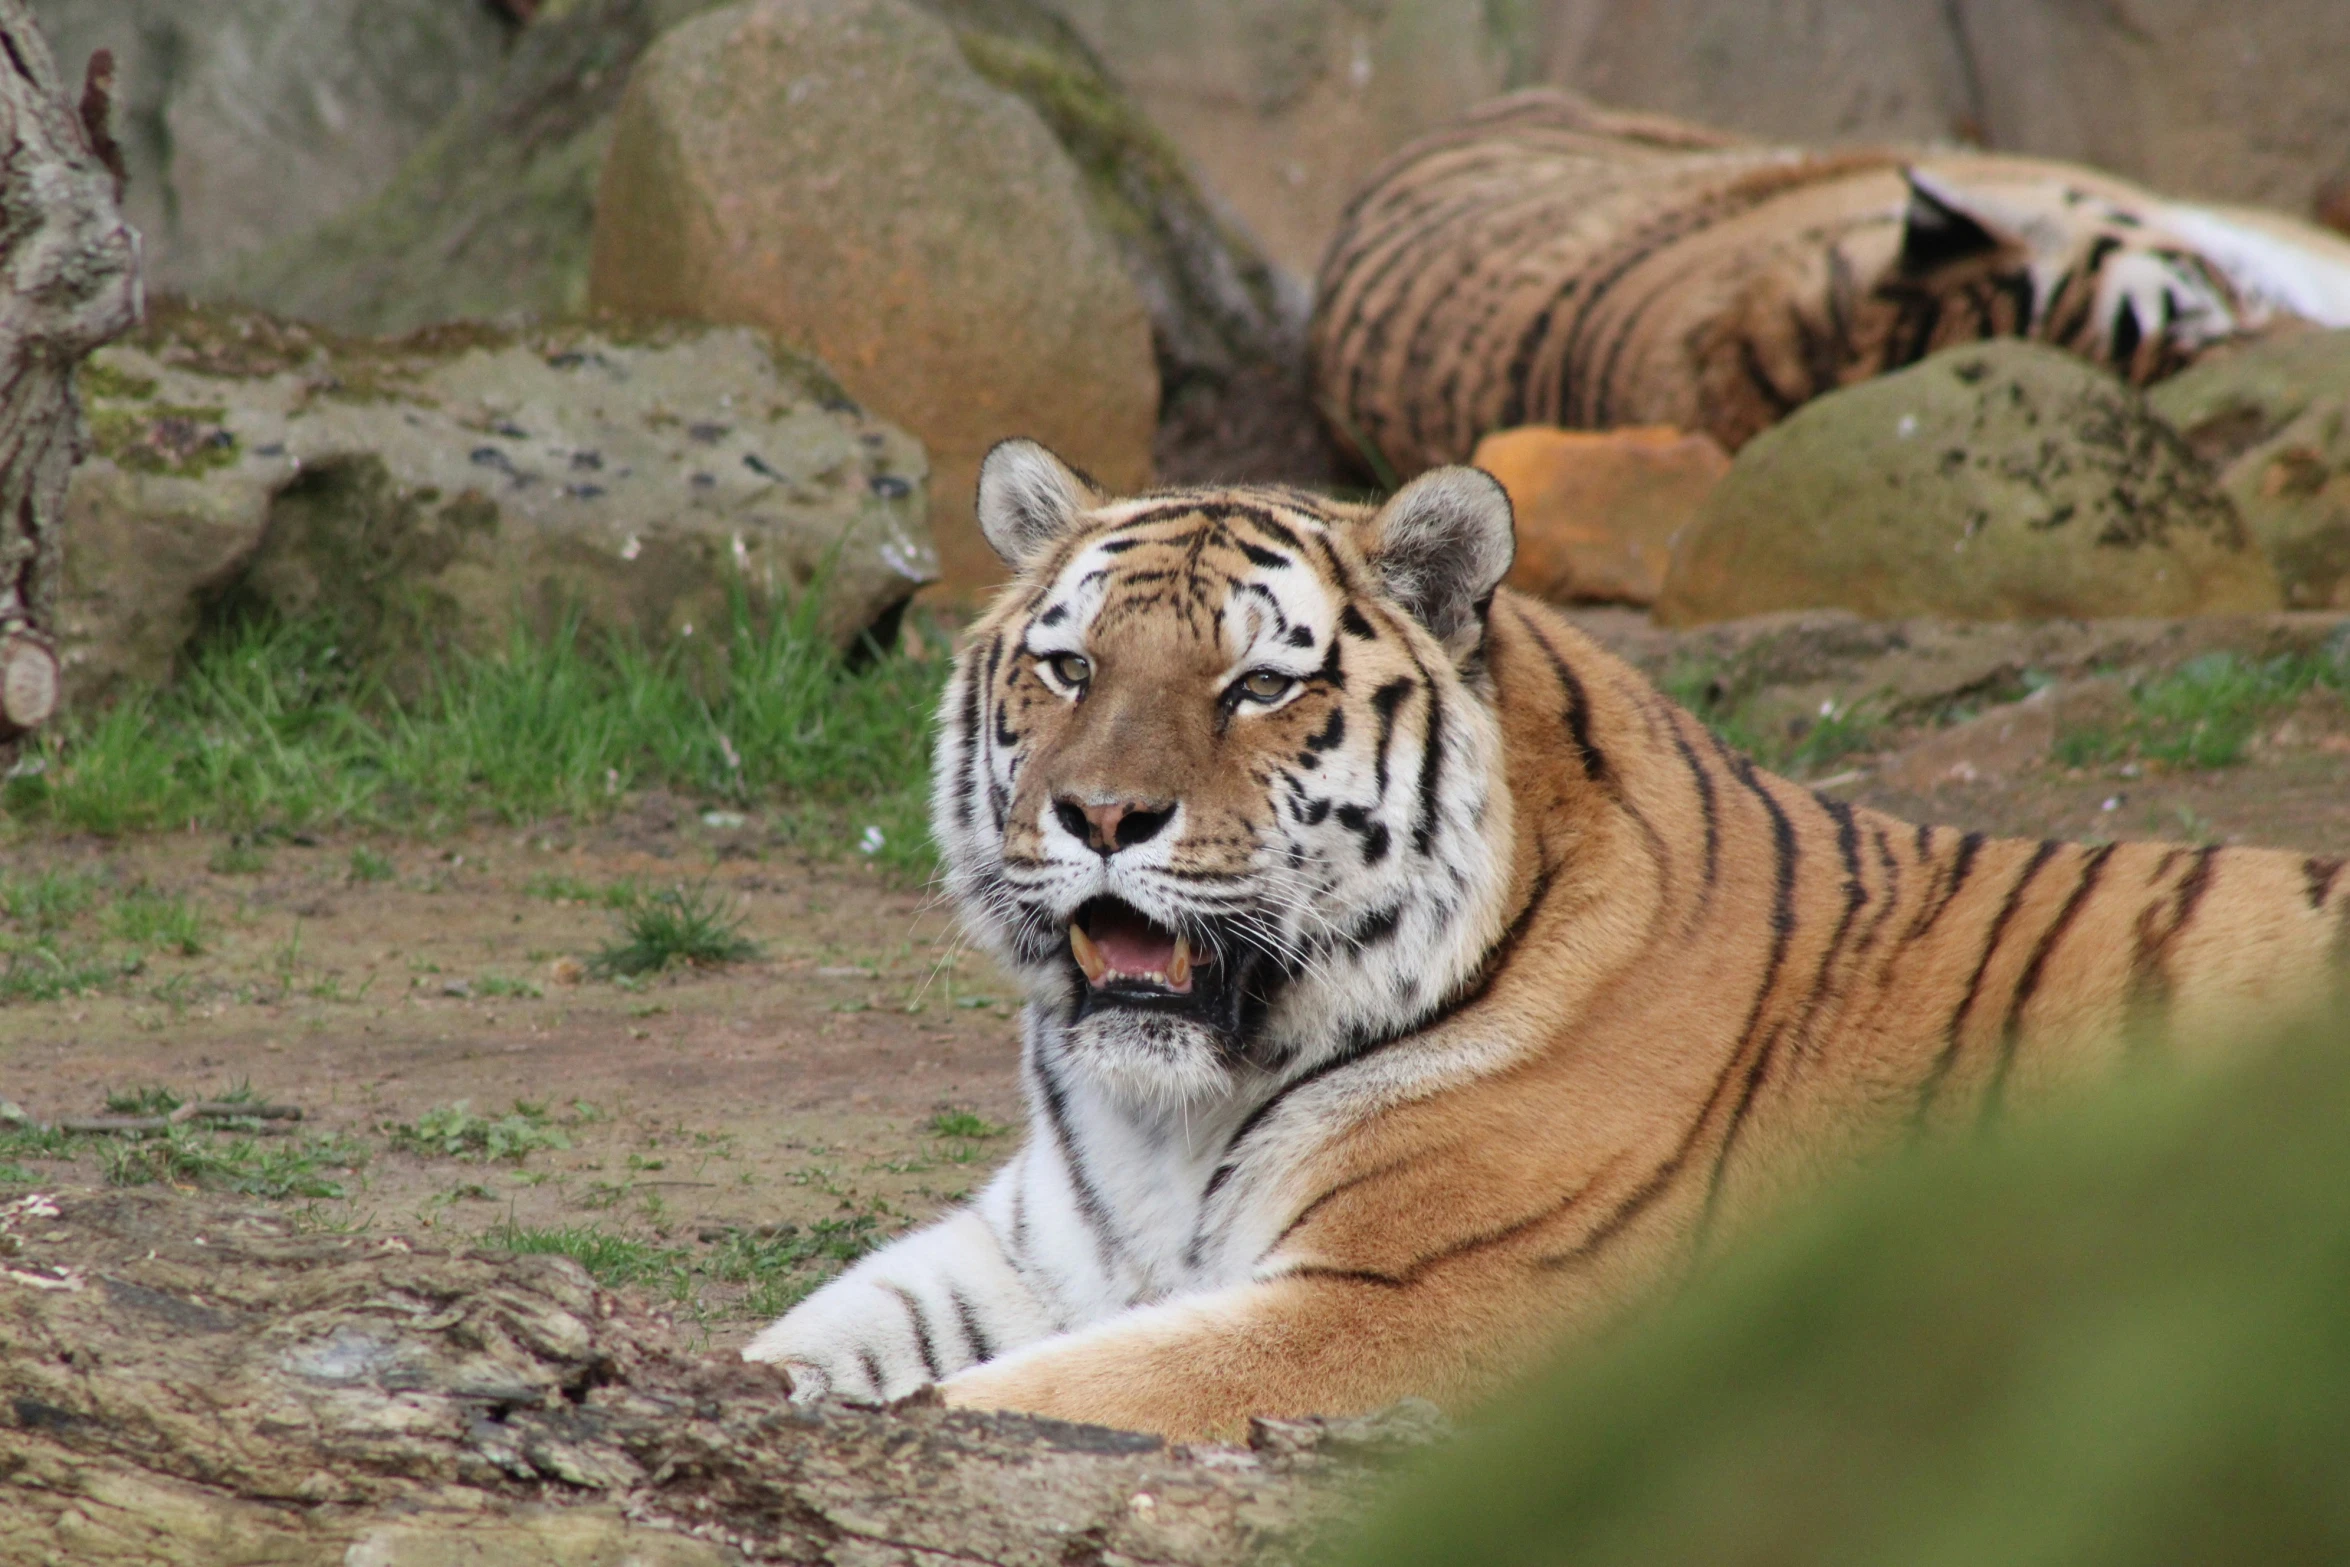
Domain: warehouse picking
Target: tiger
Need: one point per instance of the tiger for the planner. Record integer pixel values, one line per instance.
(1549, 261)
(1410, 984)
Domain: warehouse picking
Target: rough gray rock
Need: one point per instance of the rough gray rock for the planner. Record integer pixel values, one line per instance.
(491, 215)
(245, 121)
(2004, 481)
(835, 172)
(2275, 418)
(436, 493)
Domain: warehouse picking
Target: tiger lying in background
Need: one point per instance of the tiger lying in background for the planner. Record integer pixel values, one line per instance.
(1409, 982)
(1545, 261)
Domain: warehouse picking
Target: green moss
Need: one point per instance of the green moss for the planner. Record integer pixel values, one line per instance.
(182, 441)
(105, 381)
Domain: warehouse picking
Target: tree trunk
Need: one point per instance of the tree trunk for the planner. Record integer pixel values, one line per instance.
(69, 280)
(184, 1380)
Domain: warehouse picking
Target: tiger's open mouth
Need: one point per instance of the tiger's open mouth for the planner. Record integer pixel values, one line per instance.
(1129, 961)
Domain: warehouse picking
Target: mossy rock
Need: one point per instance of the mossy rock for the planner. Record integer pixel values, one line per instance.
(2275, 418)
(1996, 481)
(437, 493)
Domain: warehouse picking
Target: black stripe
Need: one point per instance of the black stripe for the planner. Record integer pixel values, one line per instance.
(1782, 935)
(922, 1341)
(872, 1370)
(2320, 875)
(1264, 557)
(2148, 967)
(1384, 701)
(1952, 1031)
(967, 1317)
(2011, 1031)
(1578, 709)
(1431, 774)
(1706, 807)
(1089, 1201)
(1351, 621)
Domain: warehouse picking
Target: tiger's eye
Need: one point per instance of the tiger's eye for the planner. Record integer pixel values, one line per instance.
(1266, 685)
(1071, 669)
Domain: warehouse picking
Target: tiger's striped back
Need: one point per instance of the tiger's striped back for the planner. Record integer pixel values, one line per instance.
(1548, 262)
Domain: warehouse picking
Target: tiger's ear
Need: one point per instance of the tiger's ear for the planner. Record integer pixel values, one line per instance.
(1441, 545)
(1028, 499)
(1943, 224)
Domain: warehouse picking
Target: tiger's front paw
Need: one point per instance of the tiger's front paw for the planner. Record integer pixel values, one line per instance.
(868, 1341)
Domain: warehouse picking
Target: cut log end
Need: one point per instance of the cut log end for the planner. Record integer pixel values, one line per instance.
(28, 683)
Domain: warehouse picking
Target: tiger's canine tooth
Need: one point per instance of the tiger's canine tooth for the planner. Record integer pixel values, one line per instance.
(1089, 957)
(1179, 969)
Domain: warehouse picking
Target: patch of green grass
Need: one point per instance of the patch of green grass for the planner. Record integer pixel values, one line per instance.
(153, 1099)
(689, 925)
(149, 919)
(557, 888)
(369, 866)
(962, 1123)
(46, 902)
(614, 1261)
(269, 1167)
(787, 1265)
(47, 971)
(2205, 712)
(499, 985)
(237, 857)
(455, 1132)
(272, 726)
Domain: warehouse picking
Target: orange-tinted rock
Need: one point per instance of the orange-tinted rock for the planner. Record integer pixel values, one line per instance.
(1597, 509)
(835, 171)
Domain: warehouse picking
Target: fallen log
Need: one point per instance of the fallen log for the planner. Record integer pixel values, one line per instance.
(189, 1380)
(69, 281)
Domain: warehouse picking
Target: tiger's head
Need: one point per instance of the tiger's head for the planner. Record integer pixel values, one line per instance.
(1219, 775)
(2140, 285)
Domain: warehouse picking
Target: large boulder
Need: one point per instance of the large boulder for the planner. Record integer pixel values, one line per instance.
(2275, 417)
(438, 493)
(245, 121)
(836, 172)
(2002, 481)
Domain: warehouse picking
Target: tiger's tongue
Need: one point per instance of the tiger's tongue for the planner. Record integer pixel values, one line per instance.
(1133, 946)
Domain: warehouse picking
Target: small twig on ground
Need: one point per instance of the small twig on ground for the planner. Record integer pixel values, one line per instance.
(204, 1110)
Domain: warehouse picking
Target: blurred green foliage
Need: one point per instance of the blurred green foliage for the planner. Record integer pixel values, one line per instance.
(2117, 1333)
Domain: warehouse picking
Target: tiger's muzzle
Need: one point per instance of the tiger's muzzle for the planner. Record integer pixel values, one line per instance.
(1128, 962)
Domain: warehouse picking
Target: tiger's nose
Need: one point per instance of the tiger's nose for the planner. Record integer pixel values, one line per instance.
(1106, 829)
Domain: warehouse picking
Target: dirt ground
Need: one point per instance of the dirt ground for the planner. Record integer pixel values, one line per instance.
(797, 1087)
(792, 1088)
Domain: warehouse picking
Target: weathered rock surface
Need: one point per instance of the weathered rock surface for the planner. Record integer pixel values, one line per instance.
(2276, 417)
(2005, 481)
(835, 172)
(1286, 105)
(1597, 510)
(245, 121)
(190, 1381)
(437, 493)
(489, 215)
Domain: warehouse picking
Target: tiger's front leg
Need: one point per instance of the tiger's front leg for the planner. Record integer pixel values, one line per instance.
(913, 1313)
(1198, 1366)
